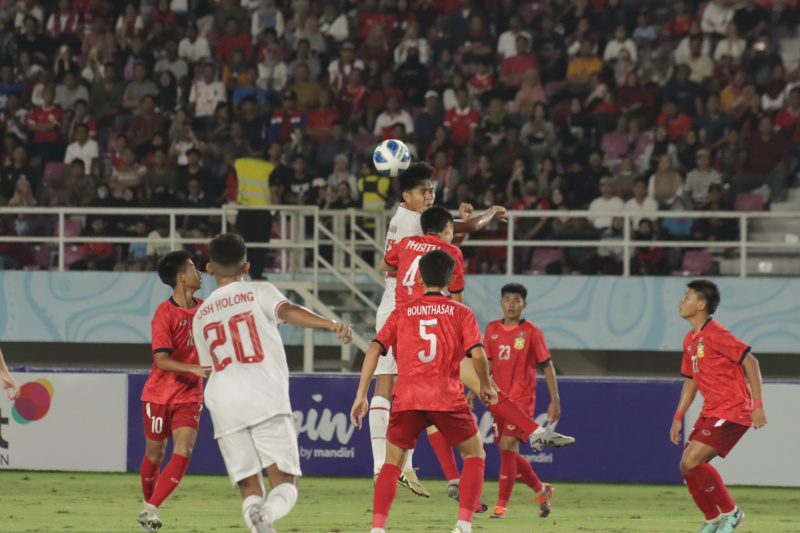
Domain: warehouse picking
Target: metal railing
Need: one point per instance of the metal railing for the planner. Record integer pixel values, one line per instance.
(349, 237)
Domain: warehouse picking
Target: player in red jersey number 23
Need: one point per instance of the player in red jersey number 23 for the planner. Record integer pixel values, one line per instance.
(172, 398)
(715, 364)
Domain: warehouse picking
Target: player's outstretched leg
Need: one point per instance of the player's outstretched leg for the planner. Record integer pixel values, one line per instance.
(708, 490)
(447, 460)
(252, 489)
(471, 484)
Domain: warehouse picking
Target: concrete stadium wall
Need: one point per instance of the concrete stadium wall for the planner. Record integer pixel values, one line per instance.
(575, 313)
(93, 422)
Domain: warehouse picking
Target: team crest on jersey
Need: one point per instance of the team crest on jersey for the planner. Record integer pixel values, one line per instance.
(494, 337)
(184, 322)
(519, 342)
(700, 350)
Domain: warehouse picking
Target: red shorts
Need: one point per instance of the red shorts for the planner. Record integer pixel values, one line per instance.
(503, 428)
(161, 420)
(721, 435)
(406, 426)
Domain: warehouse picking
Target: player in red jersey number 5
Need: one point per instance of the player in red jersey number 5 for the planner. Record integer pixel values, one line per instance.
(715, 364)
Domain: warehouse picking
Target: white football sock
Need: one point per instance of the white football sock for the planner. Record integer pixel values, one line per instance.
(280, 501)
(247, 504)
(378, 424)
(466, 527)
(409, 464)
(377, 530)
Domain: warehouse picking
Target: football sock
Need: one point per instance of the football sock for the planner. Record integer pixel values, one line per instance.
(701, 497)
(385, 491)
(466, 527)
(526, 474)
(444, 452)
(709, 481)
(247, 504)
(470, 489)
(378, 424)
(169, 479)
(508, 475)
(506, 408)
(409, 464)
(280, 501)
(150, 473)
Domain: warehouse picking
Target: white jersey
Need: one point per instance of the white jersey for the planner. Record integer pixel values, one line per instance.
(236, 333)
(404, 223)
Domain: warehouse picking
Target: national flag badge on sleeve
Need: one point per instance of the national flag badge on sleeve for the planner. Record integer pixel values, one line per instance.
(519, 342)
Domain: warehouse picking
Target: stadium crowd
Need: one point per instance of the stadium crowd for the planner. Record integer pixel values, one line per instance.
(606, 105)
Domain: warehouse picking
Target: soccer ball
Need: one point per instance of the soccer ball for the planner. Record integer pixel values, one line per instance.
(391, 157)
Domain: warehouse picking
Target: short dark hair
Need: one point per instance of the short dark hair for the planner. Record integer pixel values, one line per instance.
(171, 265)
(227, 250)
(641, 180)
(435, 219)
(707, 291)
(514, 288)
(436, 268)
(415, 174)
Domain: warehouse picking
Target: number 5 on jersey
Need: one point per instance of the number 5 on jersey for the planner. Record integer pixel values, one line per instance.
(430, 337)
(238, 346)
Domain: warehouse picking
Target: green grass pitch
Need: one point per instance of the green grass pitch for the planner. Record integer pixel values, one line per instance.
(103, 503)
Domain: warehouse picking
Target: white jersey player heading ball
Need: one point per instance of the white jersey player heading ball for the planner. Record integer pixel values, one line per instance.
(236, 333)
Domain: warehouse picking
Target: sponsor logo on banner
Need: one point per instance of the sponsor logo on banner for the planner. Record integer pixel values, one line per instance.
(33, 402)
(327, 427)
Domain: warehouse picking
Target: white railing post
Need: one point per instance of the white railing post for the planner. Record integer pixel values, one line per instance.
(743, 246)
(626, 247)
(223, 227)
(172, 231)
(61, 245)
(284, 256)
(315, 267)
(510, 245)
(308, 350)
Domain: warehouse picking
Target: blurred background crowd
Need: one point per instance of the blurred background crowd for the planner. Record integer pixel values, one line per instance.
(615, 106)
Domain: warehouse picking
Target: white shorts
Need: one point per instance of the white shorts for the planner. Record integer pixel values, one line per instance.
(386, 363)
(250, 450)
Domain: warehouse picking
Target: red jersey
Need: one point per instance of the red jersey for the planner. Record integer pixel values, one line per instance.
(461, 123)
(321, 118)
(172, 333)
(713, 358)
(406, 255)
(431, 335)
(49, 115)
(514, 353)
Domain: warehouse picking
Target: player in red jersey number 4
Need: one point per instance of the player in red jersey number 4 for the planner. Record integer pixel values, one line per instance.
(714, 363)
(431, 335)
(515, 347)
(172, 399)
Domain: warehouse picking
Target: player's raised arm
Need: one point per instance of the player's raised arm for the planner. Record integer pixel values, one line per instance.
(8, 382)
(753, 373)
(298, 315)
(687, 397)
(480, 221)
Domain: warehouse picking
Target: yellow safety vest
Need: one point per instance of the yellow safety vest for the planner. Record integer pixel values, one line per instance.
(252, 177)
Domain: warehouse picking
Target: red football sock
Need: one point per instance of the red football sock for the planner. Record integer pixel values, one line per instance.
(508, 476)
(526, 474)
(470, 487)
(150, 473)
(169, 479)
(710, 482)
(506, 408)
(385, 491)
(444, 452)
(701, 497)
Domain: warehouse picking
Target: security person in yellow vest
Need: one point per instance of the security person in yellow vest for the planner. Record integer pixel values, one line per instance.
(255, 225)
(374, 189)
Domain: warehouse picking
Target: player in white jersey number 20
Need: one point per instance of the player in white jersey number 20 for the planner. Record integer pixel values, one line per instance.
(419, 193)
(236, 333)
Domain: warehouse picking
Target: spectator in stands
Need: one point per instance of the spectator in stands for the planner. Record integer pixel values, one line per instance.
(507, 43)
(80, 187)
(445, 177)
(700, 179)
(160, 182)
(68, 92)
(648, 260)
(194, 48)
(678, 228)
(788, 120)
(641, 204)
(582, 67)
(136, 256)
(619, 43)
(678, 123)
(266, 16)
(763, 164)
(204, 97)
(341, 174)
(306, 89)
(96, 255)
(732, 45)
(462, 121)
(106, 97)
(699, 62)
(413, 76)
(83, 148)
(45, 123)
(344, 197)
(286, 119)
(146, 124)
(688, 145)
(751, 19)
(513, 68)
(611, 257)
(666, 183)
(715, 229)
(392, 115)
(129, 175)
(717, 15)
(608, 202)
(171, 62)
(374, 188)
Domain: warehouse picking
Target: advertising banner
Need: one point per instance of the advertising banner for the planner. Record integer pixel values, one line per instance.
(621, 427)
(65, 421)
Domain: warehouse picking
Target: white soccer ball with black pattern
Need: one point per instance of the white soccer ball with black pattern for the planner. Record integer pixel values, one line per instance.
(391, 158)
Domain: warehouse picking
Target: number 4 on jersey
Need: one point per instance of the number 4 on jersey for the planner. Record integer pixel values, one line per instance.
(411, 276)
